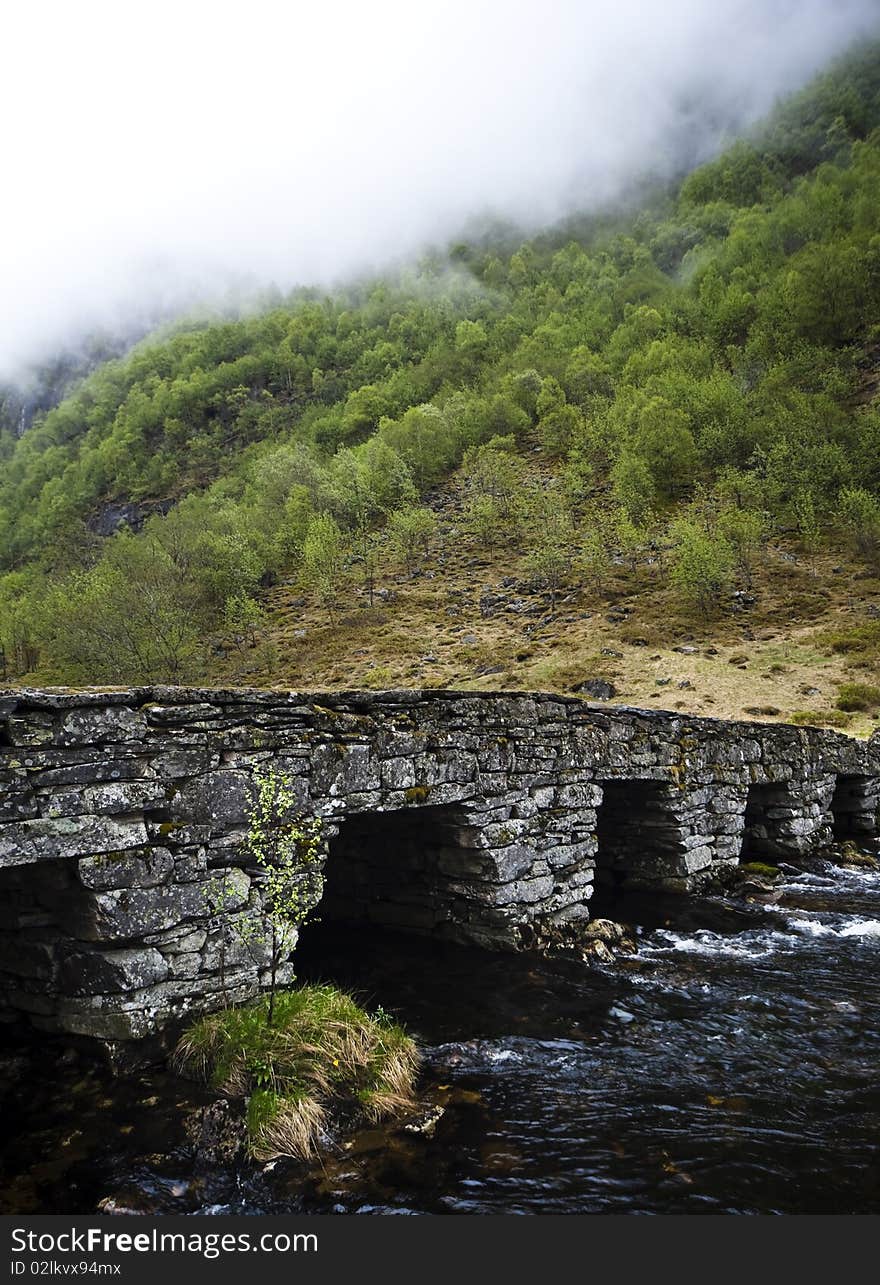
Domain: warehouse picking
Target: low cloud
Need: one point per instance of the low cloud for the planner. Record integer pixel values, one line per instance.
(158, 154)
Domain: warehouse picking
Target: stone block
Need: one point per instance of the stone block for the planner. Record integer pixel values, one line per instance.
(135, 912)
(48, 839)
(217, 800)
(143, 867)
(103, 972)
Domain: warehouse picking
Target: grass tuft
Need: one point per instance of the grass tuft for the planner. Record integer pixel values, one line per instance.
(322, 1053)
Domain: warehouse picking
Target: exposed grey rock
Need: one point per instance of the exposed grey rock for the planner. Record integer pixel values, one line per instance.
(598, 688)
(144, 867)
(117, 970)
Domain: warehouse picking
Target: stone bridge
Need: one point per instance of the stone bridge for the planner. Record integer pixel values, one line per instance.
(483, 818)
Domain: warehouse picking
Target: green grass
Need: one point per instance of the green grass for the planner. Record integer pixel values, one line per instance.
(861, 639)
(322, 1055)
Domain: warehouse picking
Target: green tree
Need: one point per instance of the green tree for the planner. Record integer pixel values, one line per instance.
(242, 617)
(287, 849)
(322, 559)
(549, 566)
(496, 471)
(860, 513)
(130, 619)
(632, 484)
(550, 560)
(593, 558)
(806, 517)
(702, 565)
(629, 537)
(744, 530)
(666, 444)
(363, 485)
(410, 532)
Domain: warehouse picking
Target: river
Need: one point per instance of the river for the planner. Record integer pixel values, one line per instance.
(729, 1066)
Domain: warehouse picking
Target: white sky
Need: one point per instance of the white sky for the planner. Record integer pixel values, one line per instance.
(149, 150)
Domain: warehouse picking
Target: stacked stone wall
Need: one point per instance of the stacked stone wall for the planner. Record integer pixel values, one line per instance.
(124, 883)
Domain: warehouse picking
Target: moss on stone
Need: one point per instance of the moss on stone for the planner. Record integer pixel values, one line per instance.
(759, 870)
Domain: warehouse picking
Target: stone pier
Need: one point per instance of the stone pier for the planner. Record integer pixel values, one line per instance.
(482, 818)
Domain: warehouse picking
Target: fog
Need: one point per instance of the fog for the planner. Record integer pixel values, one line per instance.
(153, 154)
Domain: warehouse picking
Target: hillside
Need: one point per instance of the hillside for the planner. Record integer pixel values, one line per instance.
(641, 447)
(470, 616)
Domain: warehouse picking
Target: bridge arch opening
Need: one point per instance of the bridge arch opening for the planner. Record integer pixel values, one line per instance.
(769, 812)
(639, 836)
(32, 898)
(414, 870)
(854, 806)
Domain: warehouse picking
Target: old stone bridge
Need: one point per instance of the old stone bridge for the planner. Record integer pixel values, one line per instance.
(486, 818)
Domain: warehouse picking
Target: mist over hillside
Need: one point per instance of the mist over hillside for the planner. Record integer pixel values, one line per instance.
(198, 156)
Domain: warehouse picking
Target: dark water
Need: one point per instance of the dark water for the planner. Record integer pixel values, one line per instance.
(730, 1066)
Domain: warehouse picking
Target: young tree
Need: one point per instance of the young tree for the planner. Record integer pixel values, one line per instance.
(410, 532)
(322, 559)
(549, 565)
(744, 529)
(550, 561)
(288, 851)
(484, 520)
(633, 485)
(629, 537)
(242, 618)
(496, 485)
(807, 518)
(702, 564)
(860, 511)
(371, 552)
(593, 558)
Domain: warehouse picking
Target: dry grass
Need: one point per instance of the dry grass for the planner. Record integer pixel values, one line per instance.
(322, 1052)
(808, 633)
(281, 1125)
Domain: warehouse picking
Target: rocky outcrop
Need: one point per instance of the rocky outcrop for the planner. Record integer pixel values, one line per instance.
(125, 896)
(110, 518)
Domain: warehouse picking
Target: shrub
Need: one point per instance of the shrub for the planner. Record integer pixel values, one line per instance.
(819, 718)
(860, 512)
(322, 559)
(863, 638)
(858, 696)
(702, 565)
(410, 532)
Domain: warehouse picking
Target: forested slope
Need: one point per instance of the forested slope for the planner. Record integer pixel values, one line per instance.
(657, 401)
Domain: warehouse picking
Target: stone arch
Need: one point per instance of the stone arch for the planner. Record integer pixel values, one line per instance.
(854, 806)
(431, 869)
(641, 838)
(767, 823)
(30, 898)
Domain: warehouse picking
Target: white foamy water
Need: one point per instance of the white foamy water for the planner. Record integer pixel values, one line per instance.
(813, 926)
(802, 927)
(750, 944)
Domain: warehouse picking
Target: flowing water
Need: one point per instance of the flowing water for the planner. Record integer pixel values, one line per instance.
(730, 1066)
